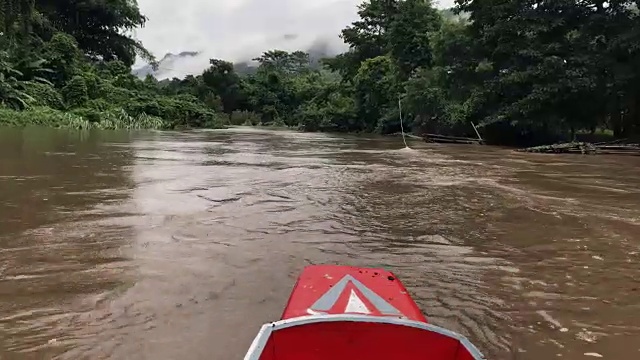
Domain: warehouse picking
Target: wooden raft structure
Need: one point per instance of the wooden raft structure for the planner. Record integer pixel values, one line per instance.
(444, 139)
(433, 138)
(609, 148)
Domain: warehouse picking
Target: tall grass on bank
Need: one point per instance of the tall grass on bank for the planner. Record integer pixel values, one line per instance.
(109, 120)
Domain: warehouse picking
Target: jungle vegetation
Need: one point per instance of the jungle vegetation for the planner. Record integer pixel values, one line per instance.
(524, 71)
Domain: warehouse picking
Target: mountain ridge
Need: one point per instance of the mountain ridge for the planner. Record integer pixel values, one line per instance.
(171, 61)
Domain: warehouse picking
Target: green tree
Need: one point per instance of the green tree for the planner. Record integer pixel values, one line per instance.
(409, 35)
(75, 92)
(375, 91)
(98, 26)
(551, 63)
(16, 17)
(224, 84)
(63, 57)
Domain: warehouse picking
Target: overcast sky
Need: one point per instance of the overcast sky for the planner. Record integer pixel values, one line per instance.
(241, 29)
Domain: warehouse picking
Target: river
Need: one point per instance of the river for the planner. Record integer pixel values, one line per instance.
(179, 245)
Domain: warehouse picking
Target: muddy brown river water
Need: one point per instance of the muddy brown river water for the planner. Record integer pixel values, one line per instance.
(179, 245)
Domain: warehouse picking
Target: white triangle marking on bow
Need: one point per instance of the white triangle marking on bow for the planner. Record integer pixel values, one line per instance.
(355, 305)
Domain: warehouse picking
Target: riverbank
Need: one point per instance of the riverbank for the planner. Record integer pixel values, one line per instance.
(120, 120)
(48, 117)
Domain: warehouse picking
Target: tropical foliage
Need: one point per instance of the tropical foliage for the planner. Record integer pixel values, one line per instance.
(67, 63)
(523, 71)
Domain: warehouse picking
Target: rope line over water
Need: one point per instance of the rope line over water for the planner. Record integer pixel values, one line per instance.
(401, 123)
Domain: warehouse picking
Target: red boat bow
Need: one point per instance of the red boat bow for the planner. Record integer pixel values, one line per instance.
(341, 312)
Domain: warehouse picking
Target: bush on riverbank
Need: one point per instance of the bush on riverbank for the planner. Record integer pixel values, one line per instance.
(245, 117)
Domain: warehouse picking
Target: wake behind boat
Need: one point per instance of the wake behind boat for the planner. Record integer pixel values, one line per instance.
(342, 312)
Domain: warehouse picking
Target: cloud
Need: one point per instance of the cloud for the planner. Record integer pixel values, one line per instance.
(237, 30)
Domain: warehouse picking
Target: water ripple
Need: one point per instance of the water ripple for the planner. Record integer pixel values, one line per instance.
(174, 244)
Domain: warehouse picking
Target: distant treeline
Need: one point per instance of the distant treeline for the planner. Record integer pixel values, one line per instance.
(525, 72)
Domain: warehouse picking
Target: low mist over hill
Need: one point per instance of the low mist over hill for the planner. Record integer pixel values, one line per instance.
(169, 61)
(241, 30)
(194, 62)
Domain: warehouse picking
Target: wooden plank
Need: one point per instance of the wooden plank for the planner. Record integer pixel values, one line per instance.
(449, 139)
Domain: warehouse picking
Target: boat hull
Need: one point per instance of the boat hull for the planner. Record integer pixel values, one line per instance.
(338, 312)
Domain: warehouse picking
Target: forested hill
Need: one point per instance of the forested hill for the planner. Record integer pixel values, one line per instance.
(183, 62)
(167, 62)
(525, 73)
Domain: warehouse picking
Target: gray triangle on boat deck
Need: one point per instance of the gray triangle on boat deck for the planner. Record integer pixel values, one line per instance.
(328, 300)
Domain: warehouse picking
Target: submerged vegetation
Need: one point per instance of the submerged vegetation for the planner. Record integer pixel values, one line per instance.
(525, 72)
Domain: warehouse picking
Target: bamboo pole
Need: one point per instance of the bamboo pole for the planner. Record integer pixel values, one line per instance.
(477, 133)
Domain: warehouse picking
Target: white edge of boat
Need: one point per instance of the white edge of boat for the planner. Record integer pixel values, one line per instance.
(260, 341)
